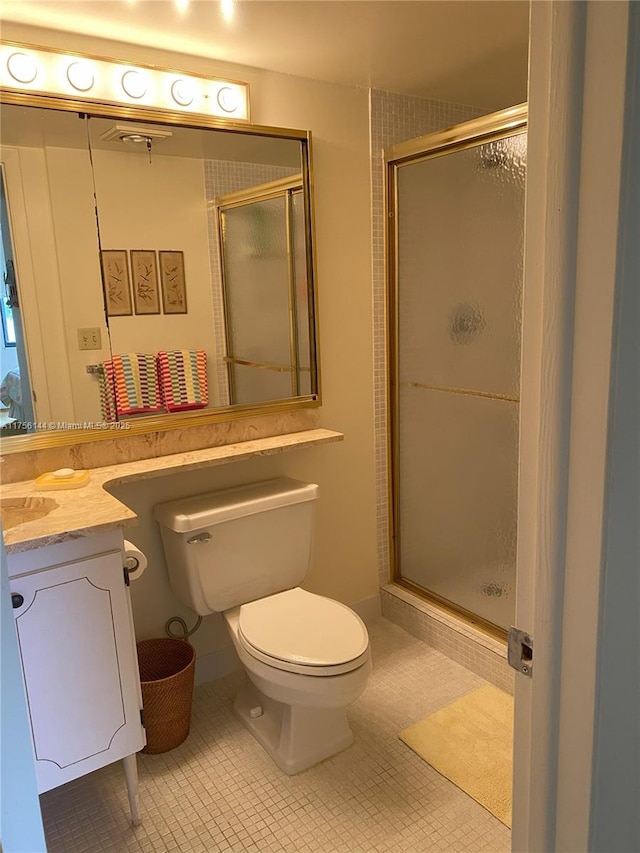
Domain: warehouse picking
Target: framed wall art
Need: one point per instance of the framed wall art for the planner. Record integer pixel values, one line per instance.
(174, 287)
(115, 275)
(144, 272)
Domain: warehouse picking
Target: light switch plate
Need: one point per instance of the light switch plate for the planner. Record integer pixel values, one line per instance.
(89, 338)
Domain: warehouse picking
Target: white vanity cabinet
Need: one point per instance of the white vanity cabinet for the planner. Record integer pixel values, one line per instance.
(77, 648)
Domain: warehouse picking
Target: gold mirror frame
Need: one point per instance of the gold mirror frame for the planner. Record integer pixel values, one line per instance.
(161, 423)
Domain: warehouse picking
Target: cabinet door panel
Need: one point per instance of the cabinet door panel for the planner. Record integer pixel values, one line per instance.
(78, 659)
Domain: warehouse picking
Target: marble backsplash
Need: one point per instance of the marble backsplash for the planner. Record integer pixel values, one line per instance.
(28, 464)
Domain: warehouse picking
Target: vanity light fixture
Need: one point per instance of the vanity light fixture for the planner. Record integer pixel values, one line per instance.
(53, 73)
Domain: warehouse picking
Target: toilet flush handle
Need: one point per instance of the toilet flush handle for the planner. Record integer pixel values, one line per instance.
(200, 537)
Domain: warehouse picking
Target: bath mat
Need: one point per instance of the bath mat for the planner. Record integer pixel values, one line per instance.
(470, 743)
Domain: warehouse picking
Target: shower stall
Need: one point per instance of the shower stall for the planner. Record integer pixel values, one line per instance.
(455, 205)
(261, 233)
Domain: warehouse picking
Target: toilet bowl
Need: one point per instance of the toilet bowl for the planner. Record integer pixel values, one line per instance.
(242, 552)
(296, 709)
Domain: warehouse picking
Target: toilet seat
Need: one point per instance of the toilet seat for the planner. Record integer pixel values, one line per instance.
(298, 631)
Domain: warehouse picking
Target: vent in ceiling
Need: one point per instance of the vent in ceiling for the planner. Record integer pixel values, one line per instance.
(132, 133)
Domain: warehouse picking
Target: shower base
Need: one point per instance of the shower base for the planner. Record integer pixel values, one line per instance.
(458, 640)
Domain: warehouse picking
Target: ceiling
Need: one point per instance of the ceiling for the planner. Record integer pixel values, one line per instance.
(467, 51)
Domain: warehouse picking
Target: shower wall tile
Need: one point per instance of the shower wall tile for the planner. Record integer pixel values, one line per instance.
(479, 652)
(393, 118)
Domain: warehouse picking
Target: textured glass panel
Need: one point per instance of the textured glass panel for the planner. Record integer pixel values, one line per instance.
(460, 249)
(301, 290)
(457, 498)
(256, 271)
(256, 385)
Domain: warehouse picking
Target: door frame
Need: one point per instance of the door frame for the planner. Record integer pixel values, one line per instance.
(579, 119)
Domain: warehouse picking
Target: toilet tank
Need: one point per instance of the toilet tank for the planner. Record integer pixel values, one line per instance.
(229, 547)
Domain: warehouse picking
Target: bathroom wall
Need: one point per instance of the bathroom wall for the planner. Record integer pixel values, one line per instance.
(69, 266)
(142, 223)
(345, 547)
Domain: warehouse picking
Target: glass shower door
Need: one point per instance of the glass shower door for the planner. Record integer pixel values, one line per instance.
(265, 270)
(459, 255)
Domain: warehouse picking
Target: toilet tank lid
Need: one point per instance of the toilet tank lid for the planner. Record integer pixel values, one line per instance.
(202, 511)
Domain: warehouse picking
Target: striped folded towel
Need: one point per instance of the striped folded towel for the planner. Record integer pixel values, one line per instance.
(183, 379)
(133, 380)
(107, 392)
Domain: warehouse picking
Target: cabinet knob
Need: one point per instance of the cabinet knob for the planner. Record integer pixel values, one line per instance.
(17, 600)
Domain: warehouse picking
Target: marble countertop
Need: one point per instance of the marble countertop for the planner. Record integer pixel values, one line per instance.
(91, 509)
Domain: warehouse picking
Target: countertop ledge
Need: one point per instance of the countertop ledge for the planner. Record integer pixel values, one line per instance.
(70, 519)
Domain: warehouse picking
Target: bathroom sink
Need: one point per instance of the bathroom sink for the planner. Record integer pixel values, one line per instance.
(16, 511)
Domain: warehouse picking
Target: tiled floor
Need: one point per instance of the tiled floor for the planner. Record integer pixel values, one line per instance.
(220, 792)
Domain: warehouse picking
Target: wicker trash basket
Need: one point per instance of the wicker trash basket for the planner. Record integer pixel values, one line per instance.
(166, 674)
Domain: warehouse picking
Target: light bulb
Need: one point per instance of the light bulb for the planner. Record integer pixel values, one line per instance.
(134, 139)
(22, 67)
(228, 99)
(80, 75)
(133, 84)
(183, 91)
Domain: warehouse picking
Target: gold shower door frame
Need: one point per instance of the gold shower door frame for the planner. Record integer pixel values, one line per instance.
(285, 189)
(493, 127)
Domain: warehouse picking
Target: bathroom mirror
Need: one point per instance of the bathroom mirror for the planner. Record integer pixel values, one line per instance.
(158, 268)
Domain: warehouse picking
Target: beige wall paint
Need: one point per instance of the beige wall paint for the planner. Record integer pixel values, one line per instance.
(76, 242)
(134, 200)
(345, 548)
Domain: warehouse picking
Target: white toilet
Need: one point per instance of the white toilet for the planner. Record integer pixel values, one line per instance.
(242, 552)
